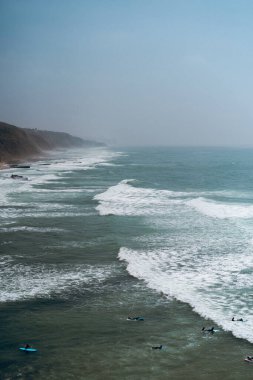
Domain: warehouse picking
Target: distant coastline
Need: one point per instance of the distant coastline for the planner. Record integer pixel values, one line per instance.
(20, 144)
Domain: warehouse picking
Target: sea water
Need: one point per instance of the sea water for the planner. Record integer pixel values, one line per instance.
(96, 235)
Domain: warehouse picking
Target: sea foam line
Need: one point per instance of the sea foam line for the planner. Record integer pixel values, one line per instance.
(31, 229)
(221, 210)
(216, 289)
(125, 199)
(21, 282)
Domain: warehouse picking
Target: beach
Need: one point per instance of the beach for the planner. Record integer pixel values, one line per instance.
(100, 234)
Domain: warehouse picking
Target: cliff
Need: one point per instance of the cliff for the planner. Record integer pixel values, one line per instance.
(22, 143)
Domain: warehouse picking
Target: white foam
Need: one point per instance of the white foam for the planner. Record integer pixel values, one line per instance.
(79, 159)
(124, 199)
(54, 214)
(202, 254)
(21, 282)
(30, 229)
(108, 164)
(5, 260)
(37, 210)
(221, 210)
(15, 194)
(216, 288)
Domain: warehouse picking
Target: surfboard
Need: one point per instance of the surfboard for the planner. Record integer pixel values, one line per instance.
(28, 349)
(248, 360)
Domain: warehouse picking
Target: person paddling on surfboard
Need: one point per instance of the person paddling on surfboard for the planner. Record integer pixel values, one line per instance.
(135, 318)
(27, 348)
(237, 320)
(249, 359)
(211, 330)
(157, 347)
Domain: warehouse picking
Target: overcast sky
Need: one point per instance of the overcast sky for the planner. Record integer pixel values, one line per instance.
(142, 72)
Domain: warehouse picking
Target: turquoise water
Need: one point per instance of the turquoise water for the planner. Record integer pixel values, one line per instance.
(94, 236)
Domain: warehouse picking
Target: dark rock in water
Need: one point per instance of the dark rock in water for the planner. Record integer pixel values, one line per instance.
(16, 176)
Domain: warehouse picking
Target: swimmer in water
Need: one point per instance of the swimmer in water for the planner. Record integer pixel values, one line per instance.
(237, 320)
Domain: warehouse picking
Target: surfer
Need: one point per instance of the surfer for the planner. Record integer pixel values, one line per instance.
(211, 330)
(157, 347)
(237, 320)
(249, 359)
(135, 318)
(27, 348)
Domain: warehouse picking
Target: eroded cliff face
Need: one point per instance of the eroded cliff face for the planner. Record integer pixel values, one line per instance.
(23, 143)
(15, 143)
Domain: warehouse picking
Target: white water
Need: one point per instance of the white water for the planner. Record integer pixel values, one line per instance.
(28, 198)
(21, 282)
(201, 254)
(22, 203)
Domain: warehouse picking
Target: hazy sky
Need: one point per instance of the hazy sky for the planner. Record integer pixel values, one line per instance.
(167, 72)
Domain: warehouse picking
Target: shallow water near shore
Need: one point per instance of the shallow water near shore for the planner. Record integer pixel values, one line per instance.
(94, 236)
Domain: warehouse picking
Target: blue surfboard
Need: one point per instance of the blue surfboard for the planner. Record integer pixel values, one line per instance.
(29, 349)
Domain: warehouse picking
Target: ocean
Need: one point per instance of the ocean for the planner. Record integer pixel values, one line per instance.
(94, 236)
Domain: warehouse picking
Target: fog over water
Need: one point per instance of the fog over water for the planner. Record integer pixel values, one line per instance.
(129, 72)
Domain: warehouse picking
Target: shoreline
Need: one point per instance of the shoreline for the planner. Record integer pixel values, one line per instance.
(19, 144)
(4, 165)
(26, 159)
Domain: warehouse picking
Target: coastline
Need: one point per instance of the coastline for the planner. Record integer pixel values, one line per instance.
(23, 160)
(21, 144)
